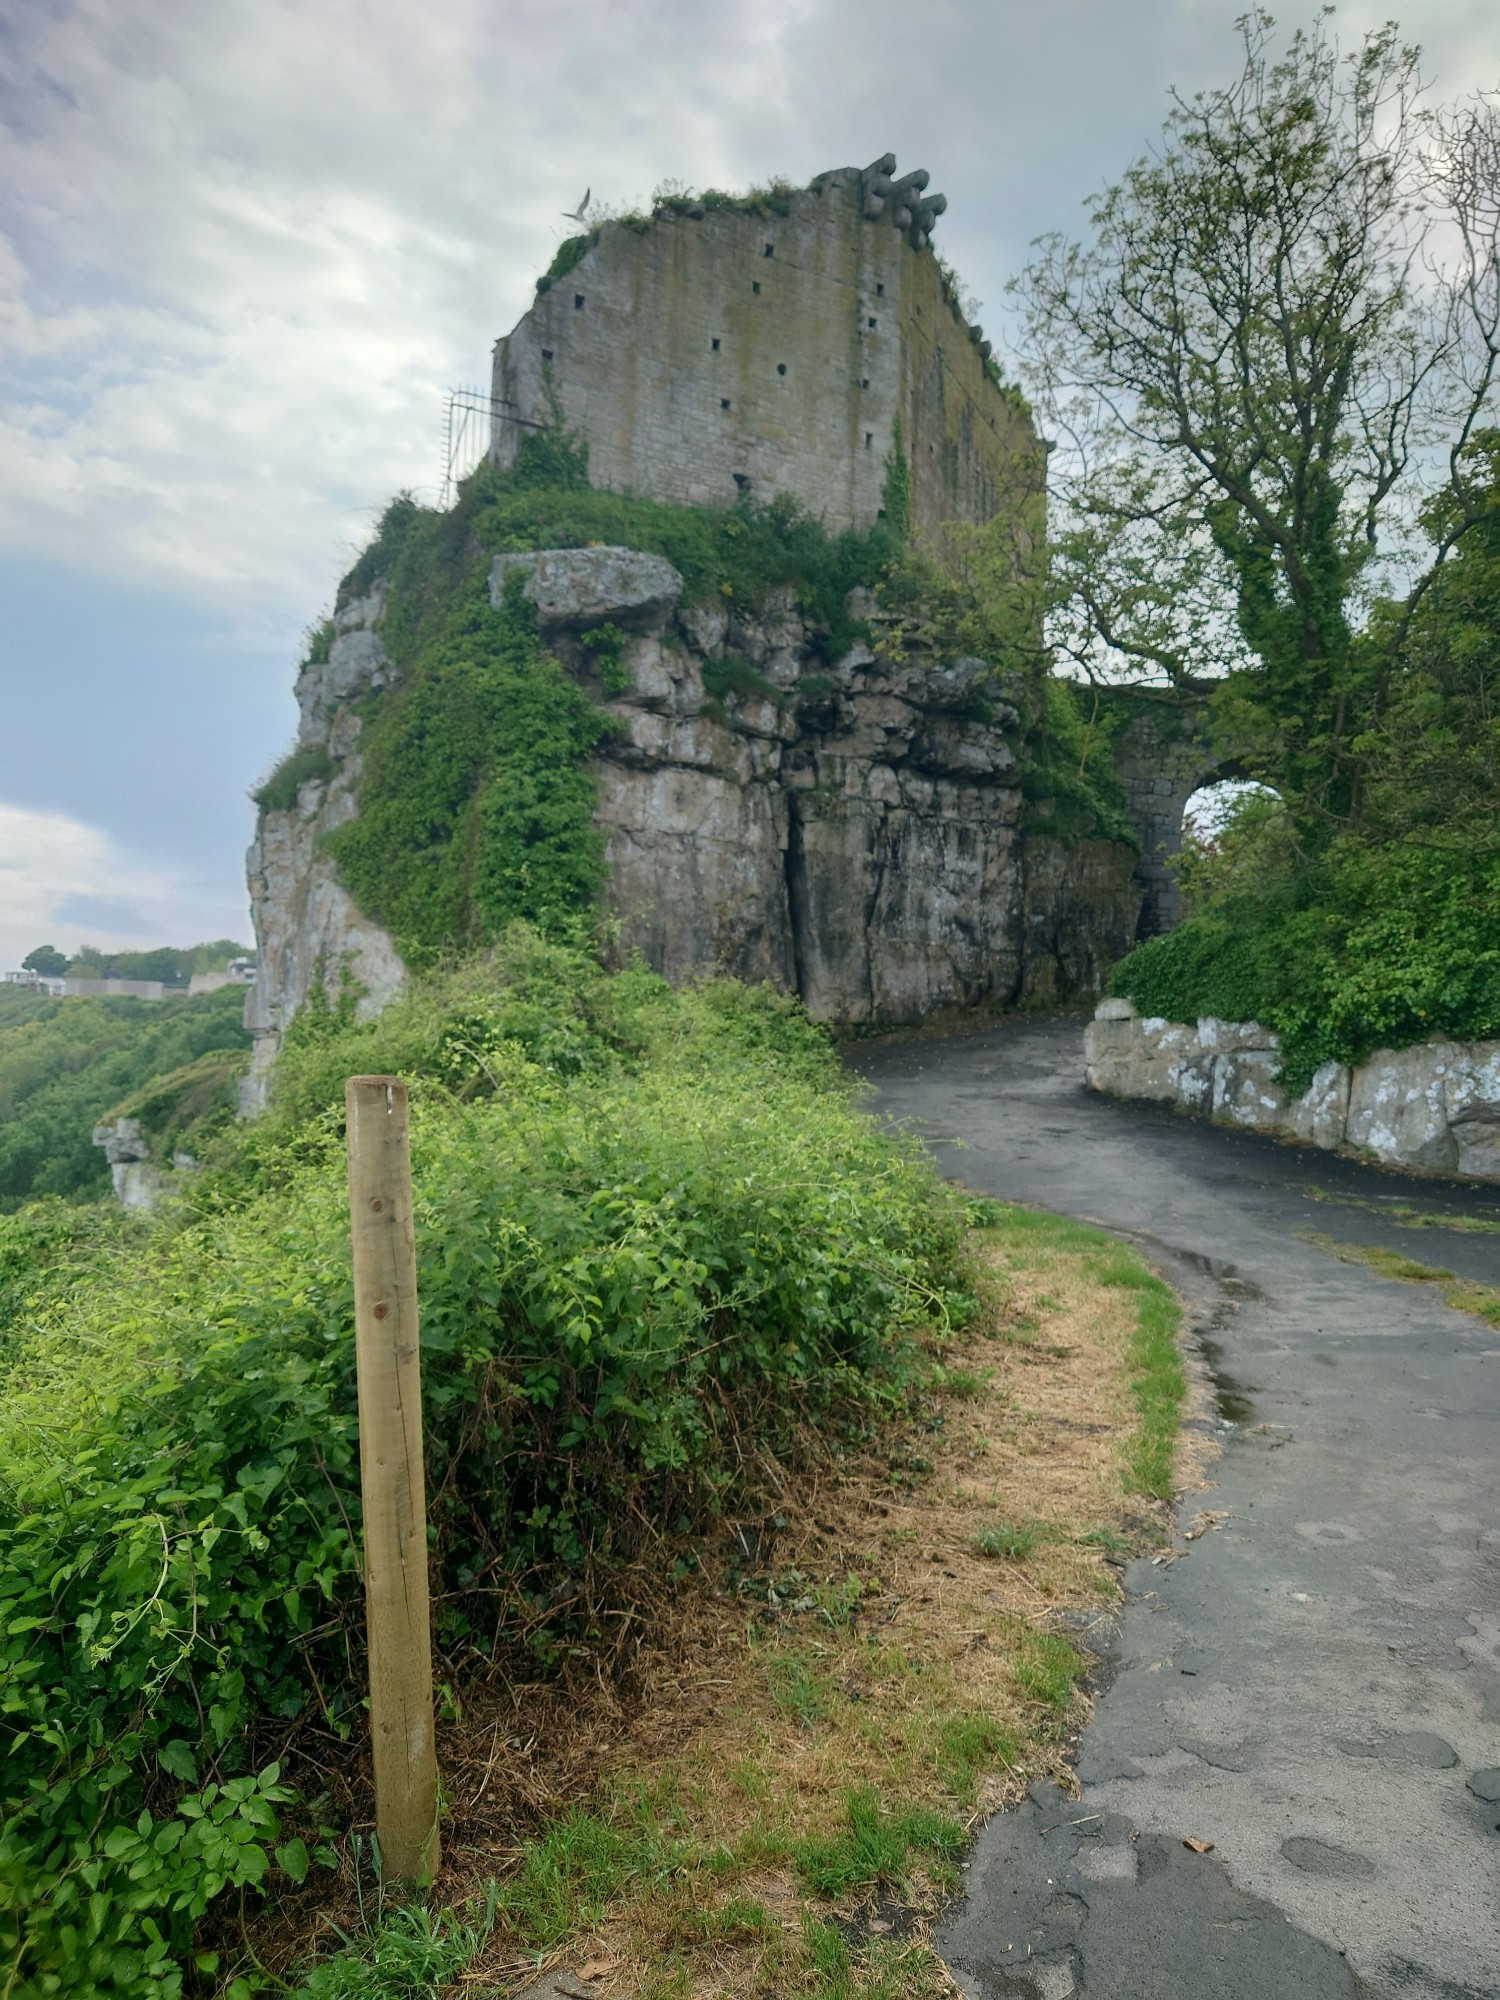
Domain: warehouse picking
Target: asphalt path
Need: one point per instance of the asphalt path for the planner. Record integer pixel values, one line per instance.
(1314, 1687)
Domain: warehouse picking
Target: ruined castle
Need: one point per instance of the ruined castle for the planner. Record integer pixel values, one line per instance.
(785, 344)
(856, 830)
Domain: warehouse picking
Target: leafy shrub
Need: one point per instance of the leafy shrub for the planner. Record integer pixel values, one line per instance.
(308, 763)
(569, 254)
(651, 1230)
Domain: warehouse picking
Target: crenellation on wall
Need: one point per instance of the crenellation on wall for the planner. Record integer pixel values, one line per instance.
(824, 348)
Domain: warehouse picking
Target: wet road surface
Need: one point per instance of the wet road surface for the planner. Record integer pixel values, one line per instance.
(1315, 1687)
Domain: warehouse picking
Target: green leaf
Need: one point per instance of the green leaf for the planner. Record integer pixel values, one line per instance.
(292, 1857)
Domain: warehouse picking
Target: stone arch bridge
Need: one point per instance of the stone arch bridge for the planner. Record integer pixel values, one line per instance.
(1167, 749)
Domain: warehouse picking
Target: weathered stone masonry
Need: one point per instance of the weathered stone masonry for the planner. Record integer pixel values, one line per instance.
(713, 354)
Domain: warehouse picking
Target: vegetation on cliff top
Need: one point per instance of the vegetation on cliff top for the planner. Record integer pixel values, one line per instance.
(476, 799)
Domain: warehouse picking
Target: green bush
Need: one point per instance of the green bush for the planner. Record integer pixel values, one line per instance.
(1391, 947)
(652, 1234)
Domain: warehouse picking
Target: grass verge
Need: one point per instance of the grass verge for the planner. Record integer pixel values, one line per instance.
(1462, 1294)
(782, 1798)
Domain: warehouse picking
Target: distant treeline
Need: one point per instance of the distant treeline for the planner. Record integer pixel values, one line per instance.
(172, 966)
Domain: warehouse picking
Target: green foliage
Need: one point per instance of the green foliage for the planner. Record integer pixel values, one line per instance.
(569, 254)
(1010, 1541)
(1046, 1667)
(307, 763)
(730, 675)
(970, 1745)
(895, 492)
(1246, 365)
(1390, 933)
(649, 1226)
(66, 1066)
(46, 960)
(775, 198)
(406, 1953)
(1382, 948)
(476, 805)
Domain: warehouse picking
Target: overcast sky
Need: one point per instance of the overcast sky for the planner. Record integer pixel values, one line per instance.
(245, 249)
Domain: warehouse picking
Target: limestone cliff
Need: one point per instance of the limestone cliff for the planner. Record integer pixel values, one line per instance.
(853, 831)
(311, 935)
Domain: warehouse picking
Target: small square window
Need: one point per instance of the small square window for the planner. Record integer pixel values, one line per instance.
(781, 368)
(723, 402)
(578, 304)
(871, 323)
(864, 381)
(770, 249)
(756, 286)
(546, 354)
(880, 291)
(869, 439)
(716, 343)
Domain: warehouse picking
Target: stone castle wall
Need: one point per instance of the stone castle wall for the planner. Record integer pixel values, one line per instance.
(717, 353)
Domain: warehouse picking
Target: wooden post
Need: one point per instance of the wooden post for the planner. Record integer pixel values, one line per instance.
(391, 1477)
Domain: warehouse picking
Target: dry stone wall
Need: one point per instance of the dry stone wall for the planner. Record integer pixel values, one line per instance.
(851, 831)
(1434, 1108)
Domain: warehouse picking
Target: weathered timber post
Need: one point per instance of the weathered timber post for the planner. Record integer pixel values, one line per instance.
(391, 1476)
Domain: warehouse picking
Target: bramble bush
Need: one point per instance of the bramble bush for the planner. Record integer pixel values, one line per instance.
(655, 1240)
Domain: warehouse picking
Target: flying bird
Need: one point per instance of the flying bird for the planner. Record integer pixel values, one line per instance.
(580, 213)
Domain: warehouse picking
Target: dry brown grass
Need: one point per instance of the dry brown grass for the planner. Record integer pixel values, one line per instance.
(859, 1640)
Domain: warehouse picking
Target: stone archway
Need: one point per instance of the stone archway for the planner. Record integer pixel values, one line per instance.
(1167, 750)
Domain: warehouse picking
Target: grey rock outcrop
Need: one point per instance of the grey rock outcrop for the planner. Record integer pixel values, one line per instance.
(1434, 1108)
(356, 663)
(311, 933)
(580, 587)
(852, 830)
(138, 1182)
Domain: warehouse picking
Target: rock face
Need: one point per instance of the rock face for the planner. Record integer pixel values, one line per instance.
(310, 932)
(851, 830)
(1434, 1108)
(139, 1183)
(582, 587)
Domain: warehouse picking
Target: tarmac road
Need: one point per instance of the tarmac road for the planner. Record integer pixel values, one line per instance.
(1315, 1686)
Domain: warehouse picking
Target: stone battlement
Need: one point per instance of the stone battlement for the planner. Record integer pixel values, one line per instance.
(774, 348)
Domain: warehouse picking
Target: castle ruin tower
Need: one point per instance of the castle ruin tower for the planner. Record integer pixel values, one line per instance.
(775, 344)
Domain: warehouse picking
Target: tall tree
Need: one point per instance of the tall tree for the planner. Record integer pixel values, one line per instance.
(1253, 366)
